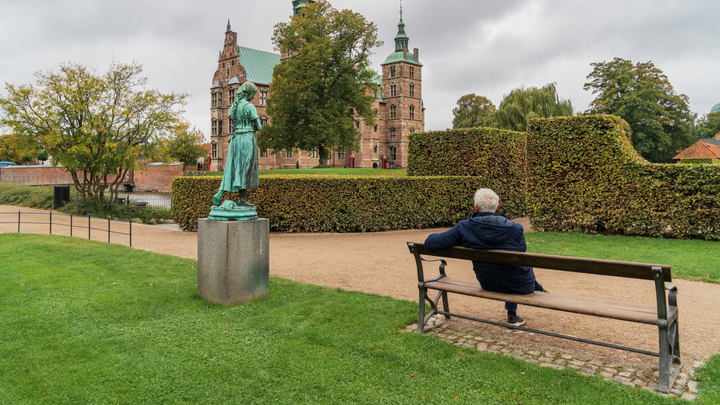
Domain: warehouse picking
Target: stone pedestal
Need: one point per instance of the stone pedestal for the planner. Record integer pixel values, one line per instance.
(233, 260)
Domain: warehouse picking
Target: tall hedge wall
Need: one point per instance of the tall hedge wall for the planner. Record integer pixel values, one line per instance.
(584, 174)
(337, 203)
(494, 155)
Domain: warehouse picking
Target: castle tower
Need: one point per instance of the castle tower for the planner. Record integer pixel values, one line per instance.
(402, 92)
(227, 78)
(299, 4)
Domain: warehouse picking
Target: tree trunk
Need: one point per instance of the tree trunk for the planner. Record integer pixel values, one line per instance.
(324, 154)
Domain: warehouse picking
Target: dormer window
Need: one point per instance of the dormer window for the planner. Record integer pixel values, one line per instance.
(393, 71)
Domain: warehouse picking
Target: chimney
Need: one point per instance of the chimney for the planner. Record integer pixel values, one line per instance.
(404, 53)
(416, 53)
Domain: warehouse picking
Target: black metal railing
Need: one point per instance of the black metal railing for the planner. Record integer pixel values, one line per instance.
(71, 225)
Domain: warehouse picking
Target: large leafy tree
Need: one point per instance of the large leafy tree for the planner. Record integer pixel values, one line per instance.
(9, 149)
(472, 111)
(660, 119)
(523, 104)
(95, 125)
(186, 144)
(325, 80)
(709, 126)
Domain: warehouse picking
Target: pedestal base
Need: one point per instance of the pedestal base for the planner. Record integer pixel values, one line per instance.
(233, 260)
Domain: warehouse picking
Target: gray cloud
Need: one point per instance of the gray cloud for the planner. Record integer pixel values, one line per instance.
(486, 47)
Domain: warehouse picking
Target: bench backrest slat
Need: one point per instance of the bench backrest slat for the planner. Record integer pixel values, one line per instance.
(574, 264)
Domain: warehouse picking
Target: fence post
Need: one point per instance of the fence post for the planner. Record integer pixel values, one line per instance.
(89, 226)
(50, 222)
(18, 221)
(71, 225)
(130, 232)
(108, 230)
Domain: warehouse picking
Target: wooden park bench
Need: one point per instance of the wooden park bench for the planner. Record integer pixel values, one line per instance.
(664, 314)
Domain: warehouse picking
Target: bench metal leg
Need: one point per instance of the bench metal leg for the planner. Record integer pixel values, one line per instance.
(669, 356)
(423, 318)
(446, 306)
(421, 310)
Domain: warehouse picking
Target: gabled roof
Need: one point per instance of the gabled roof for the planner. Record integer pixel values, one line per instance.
(701, 150)
(259, 65)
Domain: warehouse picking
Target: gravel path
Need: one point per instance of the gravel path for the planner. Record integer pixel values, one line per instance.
(380, 263)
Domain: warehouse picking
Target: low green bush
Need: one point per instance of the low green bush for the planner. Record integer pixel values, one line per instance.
(42, 197)
(494, 155)
(307, 203)
(584, 174)
(26, 196)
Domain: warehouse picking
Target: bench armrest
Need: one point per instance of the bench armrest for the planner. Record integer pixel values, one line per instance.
(419, 263)
(672, 295)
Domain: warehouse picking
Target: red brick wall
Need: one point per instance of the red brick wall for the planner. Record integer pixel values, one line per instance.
(157, 177)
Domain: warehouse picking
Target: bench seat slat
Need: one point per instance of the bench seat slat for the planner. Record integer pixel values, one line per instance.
(589, 306)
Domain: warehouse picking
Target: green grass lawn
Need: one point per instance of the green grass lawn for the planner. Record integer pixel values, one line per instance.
(695, 260)
(331, 171)
(87, 322)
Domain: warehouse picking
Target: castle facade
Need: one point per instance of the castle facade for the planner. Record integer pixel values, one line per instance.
(399, 105)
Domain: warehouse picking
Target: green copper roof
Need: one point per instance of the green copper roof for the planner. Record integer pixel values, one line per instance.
(715, 108)
(401, 41)
(258, 65)
(399, 57)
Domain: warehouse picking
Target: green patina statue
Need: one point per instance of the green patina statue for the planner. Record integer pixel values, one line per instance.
(241, 166)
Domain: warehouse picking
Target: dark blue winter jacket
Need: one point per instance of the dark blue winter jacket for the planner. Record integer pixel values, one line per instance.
(490, 231)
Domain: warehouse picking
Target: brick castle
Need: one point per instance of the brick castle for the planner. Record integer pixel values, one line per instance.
(399, 106)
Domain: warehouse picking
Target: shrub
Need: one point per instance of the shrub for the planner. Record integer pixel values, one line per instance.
(496, 156)
(584, 174)
(307, 203)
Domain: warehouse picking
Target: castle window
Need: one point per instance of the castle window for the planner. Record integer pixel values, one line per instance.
(216, 100)
(393, 136)
(232, 96)
(263, 121)
(352, 112)
(393, 90)
(288, 154)
(411, 72)
(412, 90)
(314, 154)
(341, 154)
(214, 127)
(401, 70)
(375, 128)
(220, 127)
(393, 71)
(213, 150)
(412, 112)
(375, 149)
(263, 97)
(263, 154)
(393, 153)
(393, 111)
(357, 124)
(412, 130)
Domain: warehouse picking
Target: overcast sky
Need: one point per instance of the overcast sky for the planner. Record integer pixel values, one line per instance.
(486, 47)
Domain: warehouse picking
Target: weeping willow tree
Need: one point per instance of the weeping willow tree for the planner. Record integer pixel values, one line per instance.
(523, 104)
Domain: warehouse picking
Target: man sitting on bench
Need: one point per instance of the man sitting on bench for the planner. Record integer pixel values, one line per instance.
(488, 230)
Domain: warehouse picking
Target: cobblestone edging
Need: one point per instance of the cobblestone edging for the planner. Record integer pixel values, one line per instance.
(685, 386)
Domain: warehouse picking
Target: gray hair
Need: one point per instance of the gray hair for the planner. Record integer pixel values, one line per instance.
(486, 200)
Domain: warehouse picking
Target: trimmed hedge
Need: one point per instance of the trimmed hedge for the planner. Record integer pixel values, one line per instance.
(585, 175)
(312, 203)
(497, 156)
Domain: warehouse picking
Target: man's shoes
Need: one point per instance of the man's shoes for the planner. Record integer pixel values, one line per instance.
(515, 320)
